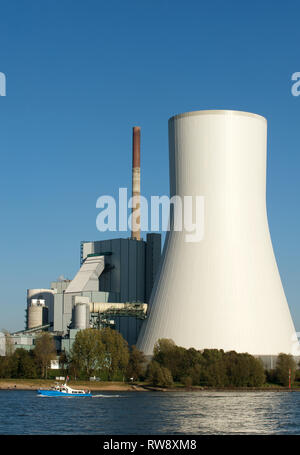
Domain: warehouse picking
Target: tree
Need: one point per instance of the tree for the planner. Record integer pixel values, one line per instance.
(195, 373)
(213, 370)
(158, 375)
(257, 373)
(63, 361)
(22, 364)
(44, 351)
(284, 364)
(4, 367)
(88, 353)
(162, 347)
(167, 380)
(177, 359)
(136, 364)
(173, 357)
(244, 370)
(116, 352)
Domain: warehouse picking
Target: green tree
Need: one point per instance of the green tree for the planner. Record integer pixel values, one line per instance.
(162, 347)
(213, 370)
(196, 375)
(177, 359)
(136, 364)
(167, 380)
(193, 357)
(284, 363)
(116, 353)
(158, 375)
(174, 358)
(88, 353)
(22, 364)
(211, 367)
(257, 373)
(244, 370)
(5, 367)
(44, 352)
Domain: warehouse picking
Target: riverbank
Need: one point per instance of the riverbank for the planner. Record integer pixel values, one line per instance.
(34, 384)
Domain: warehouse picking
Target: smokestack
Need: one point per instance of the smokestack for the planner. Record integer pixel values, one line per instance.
(136, 183)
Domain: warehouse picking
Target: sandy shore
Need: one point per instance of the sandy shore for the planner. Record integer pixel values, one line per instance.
(23, 384)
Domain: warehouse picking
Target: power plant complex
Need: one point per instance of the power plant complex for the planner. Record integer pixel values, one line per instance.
(221, 292)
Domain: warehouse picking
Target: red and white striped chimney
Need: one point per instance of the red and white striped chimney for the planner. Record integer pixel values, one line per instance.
(136, 184)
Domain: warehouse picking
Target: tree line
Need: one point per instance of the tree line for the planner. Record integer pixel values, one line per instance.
(215, 368)
(105, 354)
(102, 353)
(20, 363)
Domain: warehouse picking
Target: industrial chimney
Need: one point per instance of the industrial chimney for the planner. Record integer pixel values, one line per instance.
(224, 291)
(136, 184)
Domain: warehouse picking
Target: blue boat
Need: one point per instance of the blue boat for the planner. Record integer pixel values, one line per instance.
(63, 390)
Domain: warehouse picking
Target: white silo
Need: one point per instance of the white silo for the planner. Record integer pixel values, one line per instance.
(37, 313)
(41, 294)
(224, 291)
(81, 316)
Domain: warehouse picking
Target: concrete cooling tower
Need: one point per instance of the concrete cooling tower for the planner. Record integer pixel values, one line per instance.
(223, 291)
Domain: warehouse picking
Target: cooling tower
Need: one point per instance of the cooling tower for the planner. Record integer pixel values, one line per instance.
(223, 291)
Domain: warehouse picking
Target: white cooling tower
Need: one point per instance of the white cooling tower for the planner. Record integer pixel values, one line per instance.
(224, 291)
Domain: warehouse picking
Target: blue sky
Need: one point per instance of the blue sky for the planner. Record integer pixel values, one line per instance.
(81, 74)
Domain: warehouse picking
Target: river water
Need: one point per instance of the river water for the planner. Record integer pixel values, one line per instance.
(117, 413)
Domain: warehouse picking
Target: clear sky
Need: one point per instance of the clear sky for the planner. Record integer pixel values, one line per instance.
(80, 74)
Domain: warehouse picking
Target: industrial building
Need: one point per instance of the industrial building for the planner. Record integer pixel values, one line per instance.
(111, 289)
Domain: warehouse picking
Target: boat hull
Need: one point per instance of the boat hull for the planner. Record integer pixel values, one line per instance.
(57, 393)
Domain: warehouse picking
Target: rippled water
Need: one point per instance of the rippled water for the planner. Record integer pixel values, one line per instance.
(23, 412)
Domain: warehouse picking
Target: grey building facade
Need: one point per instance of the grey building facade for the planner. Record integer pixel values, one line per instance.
(127, 270)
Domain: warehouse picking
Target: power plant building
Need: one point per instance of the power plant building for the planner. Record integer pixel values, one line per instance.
(111, 289)
(112, 286)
